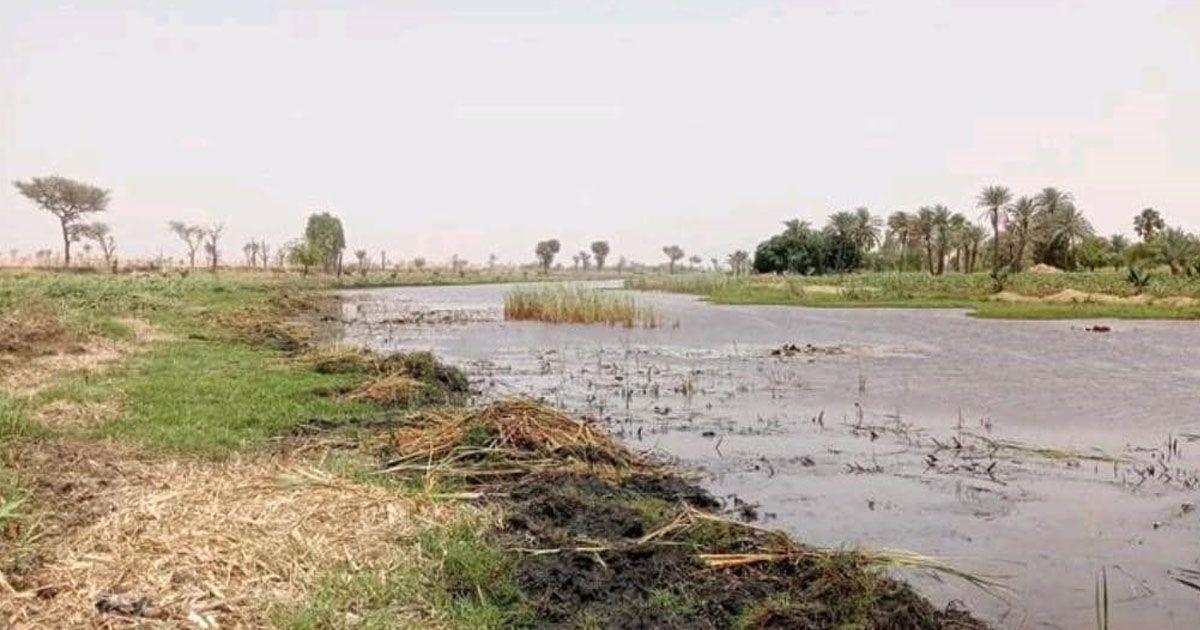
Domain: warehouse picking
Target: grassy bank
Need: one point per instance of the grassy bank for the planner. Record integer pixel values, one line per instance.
(1026, 296)
(179, 452)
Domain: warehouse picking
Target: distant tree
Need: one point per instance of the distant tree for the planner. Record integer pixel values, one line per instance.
(585, 259)
(1050, 248)
(213, 235)
(193, 235)
(601, 250)
(621, 263)
(66, 199)
(1094, 252)
(546, 251)
(973, 236)
(250, 251)
(1148, 223)
(867, 229)
(1022, 219)
(1071, 229)
(101, 235)
(739, 262)
(492, 261)
(305, 253)
(457, 264)
(1177, 249)
(716, 263)
(361, 255)
(1118, 242)
(13, 254)
(901, 227)
(995, 199)
(419, 263)
(695, 260)
(673, 253)
(382, 259)
(264, 252)
(324, 231)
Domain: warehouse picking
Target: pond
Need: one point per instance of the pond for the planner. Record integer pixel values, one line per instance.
(1041, 452)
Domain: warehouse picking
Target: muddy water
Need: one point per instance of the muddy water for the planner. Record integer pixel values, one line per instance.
(1037, 451)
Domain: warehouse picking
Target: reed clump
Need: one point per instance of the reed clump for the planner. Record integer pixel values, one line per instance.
(568, 305)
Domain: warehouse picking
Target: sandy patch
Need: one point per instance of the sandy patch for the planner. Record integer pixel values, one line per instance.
(1073, 296)
(28, 376)
(190, 544)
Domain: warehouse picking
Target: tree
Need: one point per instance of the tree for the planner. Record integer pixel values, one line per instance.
(927, 227)
(304, 253)
(193, 235)
(1071, 228)
(1094, 252)
(739, 262)
(941, 222)
(1021, 221)
(101, 234)
(673, 253)
(546, 251)
(213, 234)
(361, 255)
(866, 229)
(66, 199)
(264, 252)
(973, 236)
(419, 263)
(901, 226)
(324, 231)
(250, 251)
(995, 199)
(1049, 247)
(1148, 223)
(601, 250)
(1177, 248)
(695, 260)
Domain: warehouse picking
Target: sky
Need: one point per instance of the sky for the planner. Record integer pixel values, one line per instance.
(442, 127)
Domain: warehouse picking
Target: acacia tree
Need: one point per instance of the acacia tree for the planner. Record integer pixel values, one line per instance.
(546, 251)
(304, 253)
(361, 255)
(101, 234)
(674, 253)
(193, 235)
(250, 250)
(995, 199)
(600, 249)
(212, 234)
(66, 199)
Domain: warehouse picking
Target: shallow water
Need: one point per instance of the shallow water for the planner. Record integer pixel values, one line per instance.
(905, 428)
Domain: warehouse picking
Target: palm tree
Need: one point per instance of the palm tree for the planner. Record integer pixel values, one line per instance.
(1021, 221)
(957, 239)
(926, 226)
(1176, 248)
(795, 226)
(1071, 228)
(973, 235)
(900, 227)
(1051, 203)
(941, 222)
(995, 199)
(866, 229)
(842, 224)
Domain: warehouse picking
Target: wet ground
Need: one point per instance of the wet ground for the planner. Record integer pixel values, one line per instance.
(1039, 451)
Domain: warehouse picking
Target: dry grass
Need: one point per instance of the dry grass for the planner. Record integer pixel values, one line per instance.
(32, 374)
(564, 305)
(180, 543)
(511, 437)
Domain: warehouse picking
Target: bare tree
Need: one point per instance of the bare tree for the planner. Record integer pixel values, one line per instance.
(250, 250)
(264, 252)
(66, 199)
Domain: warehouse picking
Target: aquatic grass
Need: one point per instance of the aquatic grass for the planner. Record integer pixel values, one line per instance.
(563, 305)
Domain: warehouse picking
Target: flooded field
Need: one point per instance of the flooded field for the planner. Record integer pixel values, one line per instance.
(1042, 452)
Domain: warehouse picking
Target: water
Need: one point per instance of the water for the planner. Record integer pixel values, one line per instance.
(895, 432)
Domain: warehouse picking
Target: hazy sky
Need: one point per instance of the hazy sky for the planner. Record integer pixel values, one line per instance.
(442, 127)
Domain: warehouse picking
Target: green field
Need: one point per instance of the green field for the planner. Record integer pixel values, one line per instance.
(1026, 295)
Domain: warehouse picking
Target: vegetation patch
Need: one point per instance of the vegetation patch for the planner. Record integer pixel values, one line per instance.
(615, 540)
(563, 305)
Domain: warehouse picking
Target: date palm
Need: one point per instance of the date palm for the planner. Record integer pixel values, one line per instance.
(1021, 220)
(1148, 223)
(995, 199)
(900, 227)
(866, 229)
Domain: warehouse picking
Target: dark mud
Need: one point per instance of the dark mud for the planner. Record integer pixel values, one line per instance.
(586, 564)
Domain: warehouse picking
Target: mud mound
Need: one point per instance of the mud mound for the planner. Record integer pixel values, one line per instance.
(600, 537)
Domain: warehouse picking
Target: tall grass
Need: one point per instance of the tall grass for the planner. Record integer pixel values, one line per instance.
(563, 305)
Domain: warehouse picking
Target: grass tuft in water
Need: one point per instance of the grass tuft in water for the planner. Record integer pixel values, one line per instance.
(566, 305)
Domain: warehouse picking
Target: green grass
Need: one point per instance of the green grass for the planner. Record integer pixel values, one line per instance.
(951, 290)
(208, 396)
